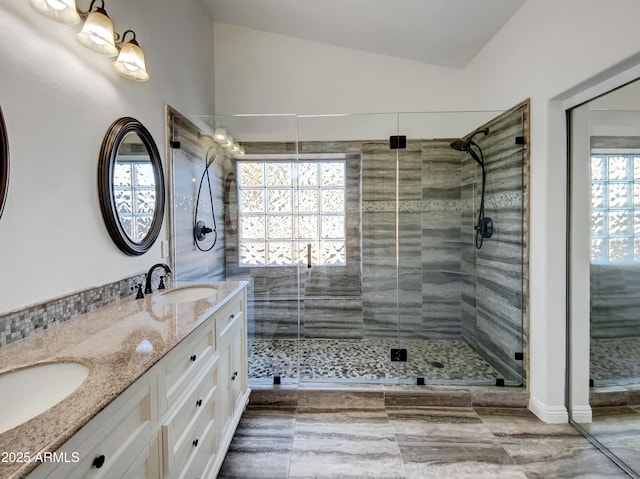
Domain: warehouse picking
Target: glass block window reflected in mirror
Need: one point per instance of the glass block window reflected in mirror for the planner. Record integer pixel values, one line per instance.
(615, 208)
(285, 205)
(135, 195)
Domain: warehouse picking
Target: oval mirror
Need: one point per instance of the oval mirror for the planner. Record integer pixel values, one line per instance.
(4, 163)
(131, 186)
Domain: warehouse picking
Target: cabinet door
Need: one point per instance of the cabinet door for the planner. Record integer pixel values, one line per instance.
(147, 465)
(237, 364)
(116, 439)
(232, 347)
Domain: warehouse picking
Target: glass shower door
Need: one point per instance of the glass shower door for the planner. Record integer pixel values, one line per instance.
(460, 307)
(346, 228)
(258, 235)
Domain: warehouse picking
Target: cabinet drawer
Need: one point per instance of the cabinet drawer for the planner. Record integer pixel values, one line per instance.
(183, 363)
(113, 440)
(228, 314)
(202, 456)
(182, 432)
(227, 327)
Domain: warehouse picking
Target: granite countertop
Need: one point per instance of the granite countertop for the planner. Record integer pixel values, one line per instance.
(106, 341)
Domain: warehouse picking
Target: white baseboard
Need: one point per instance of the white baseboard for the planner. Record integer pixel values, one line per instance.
(581, 414)
(548, 414)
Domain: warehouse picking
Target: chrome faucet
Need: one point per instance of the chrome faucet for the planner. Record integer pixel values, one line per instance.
(167, 270)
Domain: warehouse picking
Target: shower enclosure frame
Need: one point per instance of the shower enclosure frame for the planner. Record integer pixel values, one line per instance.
(297, 143)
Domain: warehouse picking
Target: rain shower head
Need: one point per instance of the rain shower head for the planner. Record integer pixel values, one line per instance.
(465, 145)
(460, 145)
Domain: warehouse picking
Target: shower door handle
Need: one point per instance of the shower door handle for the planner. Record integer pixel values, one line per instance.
(308, 255)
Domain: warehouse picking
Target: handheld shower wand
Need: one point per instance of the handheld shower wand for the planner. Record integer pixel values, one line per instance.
(484, 226)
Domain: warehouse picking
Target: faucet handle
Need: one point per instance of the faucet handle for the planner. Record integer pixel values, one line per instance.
(161, 285)
(140, 294)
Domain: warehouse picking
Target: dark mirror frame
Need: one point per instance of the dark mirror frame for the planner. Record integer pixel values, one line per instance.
(108, 155)
(4, 163)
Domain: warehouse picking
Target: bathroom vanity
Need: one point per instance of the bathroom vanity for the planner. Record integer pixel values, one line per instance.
(166, 389)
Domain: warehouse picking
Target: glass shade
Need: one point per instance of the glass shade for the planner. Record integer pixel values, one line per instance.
(220, 135)
(130, 63)
(97, 34)
(63, 11)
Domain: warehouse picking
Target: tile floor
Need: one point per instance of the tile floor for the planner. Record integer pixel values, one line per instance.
(617, 429)
(410, 443)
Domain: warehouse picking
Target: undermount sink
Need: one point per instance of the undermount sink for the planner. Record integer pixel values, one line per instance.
(27, 392)
(185, 294)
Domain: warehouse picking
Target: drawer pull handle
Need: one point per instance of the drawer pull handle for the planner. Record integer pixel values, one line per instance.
(98, 462)
(195, 443)
(232, 316)
(233, 377)
(199, 402)
(193, 358)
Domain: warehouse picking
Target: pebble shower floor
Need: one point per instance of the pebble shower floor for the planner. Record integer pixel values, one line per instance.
(366, 360)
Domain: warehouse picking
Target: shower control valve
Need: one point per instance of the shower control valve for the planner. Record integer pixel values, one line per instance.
(485, 227)
(201, 230)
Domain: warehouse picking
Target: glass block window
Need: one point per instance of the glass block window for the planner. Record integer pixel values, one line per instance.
(135, 195)
(615, 208)
(285, 205)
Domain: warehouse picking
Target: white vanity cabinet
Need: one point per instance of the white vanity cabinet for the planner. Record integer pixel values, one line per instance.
(177, 420)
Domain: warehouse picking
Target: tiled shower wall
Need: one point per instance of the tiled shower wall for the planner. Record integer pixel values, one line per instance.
(188, 153)
(615, 300)
(494, 287)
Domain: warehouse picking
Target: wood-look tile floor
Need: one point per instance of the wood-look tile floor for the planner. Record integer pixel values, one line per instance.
(409, 443)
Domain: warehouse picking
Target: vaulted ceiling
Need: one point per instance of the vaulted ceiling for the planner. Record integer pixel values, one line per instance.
(440, 32)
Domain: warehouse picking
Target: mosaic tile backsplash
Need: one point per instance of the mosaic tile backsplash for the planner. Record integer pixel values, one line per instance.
(21, 323)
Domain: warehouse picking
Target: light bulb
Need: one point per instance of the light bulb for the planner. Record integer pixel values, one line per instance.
(57, 4)
(220, 135)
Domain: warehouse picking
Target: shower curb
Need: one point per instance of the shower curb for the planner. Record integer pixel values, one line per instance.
(357, 396)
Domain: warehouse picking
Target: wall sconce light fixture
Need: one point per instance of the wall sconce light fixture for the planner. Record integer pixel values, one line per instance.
(130, 63)
(63, 11)
(97, 34)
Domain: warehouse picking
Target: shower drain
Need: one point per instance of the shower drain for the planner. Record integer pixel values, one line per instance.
(436, 364)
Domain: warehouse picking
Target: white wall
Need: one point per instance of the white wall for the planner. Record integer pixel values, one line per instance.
(58, 100)
(259, 72)
(549, 51)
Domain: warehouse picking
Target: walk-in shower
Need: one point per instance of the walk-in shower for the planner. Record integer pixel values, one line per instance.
(397, 291)
(484, 226)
